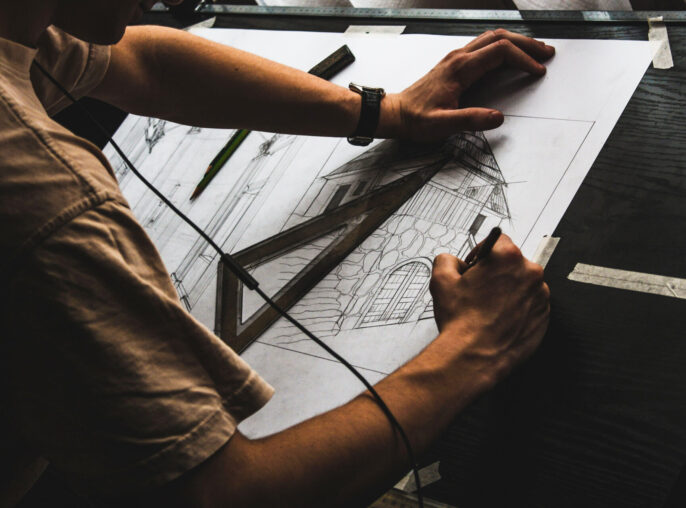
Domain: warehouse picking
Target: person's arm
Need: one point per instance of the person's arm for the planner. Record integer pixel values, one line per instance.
(177, 76)
(489, 320)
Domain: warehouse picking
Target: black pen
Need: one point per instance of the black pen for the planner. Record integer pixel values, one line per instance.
(485, 249)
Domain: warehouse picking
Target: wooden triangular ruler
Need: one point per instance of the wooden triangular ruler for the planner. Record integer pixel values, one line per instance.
(354, 221)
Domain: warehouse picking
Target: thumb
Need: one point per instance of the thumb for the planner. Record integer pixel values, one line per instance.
(448, 265)
(470, 119)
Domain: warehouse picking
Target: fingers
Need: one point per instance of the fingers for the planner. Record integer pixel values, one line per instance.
(477, 248)
(473, 253)
(468, 119)
(445, 265)
(430, 108)
(504, 243)
(495, 55)
(506, 251)
(537, 49)
(506, 248)
(447, 270)
(462, 266)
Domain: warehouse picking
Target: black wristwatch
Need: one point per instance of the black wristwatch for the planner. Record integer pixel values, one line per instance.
(369, 114)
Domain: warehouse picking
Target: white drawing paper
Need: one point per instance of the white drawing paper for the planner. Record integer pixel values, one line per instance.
(374, 307)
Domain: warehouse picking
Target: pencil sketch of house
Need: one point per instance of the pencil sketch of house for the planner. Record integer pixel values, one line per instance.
(232, 217)
(385, 279)
(148, 144)
(386, 212)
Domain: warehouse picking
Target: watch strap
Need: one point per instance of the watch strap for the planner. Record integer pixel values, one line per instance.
(369, 114)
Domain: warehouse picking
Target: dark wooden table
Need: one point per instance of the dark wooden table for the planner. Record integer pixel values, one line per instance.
(597, 418)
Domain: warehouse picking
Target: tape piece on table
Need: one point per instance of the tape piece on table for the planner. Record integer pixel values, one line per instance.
(631, 281)
(375, 29)
(545, 250)
(427, 475)
(395, 498)
(657, 35)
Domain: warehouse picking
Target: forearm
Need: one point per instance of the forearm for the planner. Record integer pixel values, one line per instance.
(177, 76)
(350, 455)
(187, 79)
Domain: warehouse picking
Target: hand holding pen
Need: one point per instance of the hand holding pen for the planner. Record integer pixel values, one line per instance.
(497, 313)
(482, 250)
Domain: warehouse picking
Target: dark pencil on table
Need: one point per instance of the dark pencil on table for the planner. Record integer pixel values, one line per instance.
(326, 69)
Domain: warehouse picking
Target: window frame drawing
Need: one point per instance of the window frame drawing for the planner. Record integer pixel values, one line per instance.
(338, 197)
(386, 316)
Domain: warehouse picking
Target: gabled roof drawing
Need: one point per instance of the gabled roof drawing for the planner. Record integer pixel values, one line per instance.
(476, 154)
(392, 155)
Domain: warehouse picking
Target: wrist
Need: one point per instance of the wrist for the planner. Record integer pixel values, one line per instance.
(461, 347)
(352, 105)
(390, 118)
(370, 113)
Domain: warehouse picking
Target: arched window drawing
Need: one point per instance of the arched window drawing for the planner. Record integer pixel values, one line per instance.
(399, 294)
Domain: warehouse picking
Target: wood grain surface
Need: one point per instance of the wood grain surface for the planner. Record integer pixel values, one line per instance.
(598, 417)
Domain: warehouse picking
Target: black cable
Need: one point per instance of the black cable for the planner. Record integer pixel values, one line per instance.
(249, 281)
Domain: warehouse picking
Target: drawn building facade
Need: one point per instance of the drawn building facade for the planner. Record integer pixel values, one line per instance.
(195, 271)
(385, 280)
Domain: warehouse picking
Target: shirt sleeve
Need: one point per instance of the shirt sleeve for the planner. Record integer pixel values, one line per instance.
(107, 375)
(77, 65)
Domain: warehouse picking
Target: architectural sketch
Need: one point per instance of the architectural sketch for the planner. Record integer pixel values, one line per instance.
(195, 272)
(363, 230)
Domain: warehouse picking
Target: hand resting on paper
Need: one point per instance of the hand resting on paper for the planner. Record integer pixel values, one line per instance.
(430, 108)
(501, 305)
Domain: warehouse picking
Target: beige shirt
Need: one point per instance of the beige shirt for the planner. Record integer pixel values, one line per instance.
(102, 371)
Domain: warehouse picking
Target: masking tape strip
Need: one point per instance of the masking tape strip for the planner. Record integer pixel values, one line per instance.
(657, 35)
(545, 250)
(375, 29)
(427, 475)
(395, 498)
(632, 281)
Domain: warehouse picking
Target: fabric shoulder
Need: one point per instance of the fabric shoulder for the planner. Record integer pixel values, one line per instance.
(109, 376)
(49, 175)
(79, 66)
